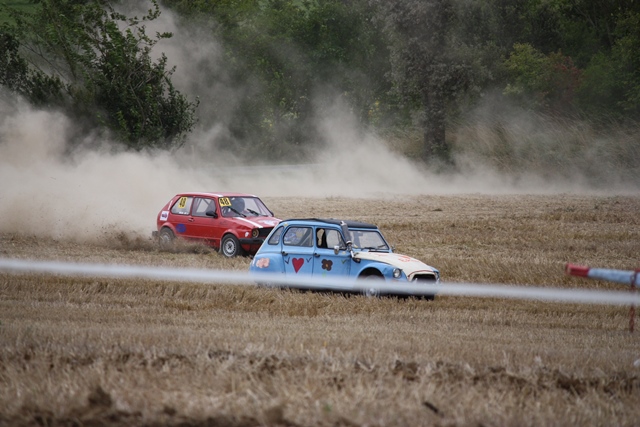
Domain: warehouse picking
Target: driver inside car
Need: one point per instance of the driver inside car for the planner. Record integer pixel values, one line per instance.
(236, 208)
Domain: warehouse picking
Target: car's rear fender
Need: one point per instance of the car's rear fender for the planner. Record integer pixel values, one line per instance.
(267, 263)
(170, 227)
(166, 208)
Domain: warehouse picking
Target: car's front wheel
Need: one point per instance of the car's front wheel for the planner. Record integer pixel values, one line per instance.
(372, 284)
(166, 238)
(230, 246)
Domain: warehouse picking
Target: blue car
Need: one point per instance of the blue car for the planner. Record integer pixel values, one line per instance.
(313, 249)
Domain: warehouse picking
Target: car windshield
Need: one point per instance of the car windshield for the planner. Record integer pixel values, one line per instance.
(243, 207)
(368, 240)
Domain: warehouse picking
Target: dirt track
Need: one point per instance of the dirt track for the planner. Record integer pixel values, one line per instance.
(132, 352)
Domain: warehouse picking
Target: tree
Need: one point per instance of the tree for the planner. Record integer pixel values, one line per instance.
(544, 82)
(104, 60)
(626, 52)
(17, 76)
(280, 55)
(426, 67)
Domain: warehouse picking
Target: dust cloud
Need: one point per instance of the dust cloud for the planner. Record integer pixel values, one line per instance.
(48, 191)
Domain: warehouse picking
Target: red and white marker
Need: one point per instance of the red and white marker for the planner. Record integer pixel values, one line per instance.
(626, 277)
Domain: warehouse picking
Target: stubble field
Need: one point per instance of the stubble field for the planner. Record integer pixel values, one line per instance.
(115, 352)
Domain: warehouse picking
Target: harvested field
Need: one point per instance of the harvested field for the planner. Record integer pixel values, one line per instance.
(114, 352)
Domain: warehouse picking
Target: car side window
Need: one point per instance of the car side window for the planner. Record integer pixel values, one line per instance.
(182, 206)
(298, 236)
(275, 237)
(327, 238)
(201, 206)
(334, 238)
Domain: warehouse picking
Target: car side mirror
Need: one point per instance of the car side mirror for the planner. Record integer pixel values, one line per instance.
(211, 214)
(338, 248)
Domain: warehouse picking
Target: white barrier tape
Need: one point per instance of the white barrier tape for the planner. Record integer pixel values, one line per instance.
(581, 296)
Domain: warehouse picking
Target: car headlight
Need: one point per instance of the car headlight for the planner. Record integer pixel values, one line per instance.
(255, 233)
(397, 273)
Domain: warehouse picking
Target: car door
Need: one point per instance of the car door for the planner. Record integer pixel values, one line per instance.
(179, 216)
(222, 224)
(203, 226)
(297, 250)
(325, 261)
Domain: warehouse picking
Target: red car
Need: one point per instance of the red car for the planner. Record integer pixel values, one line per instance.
(234, 223)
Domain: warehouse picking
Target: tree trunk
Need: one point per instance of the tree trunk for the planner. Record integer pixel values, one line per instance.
(435, 146)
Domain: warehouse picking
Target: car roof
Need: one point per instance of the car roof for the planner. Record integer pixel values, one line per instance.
(333, 221)
(214, 194)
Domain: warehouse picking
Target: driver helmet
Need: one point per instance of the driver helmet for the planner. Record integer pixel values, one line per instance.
(237, 204)
(295, 236)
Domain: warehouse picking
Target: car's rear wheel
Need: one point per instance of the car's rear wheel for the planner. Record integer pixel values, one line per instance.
(372, 284)
(166, 237)
(269, 285)
(230, 246)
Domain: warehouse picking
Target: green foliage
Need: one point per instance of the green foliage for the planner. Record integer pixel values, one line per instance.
(15, 73)
(398, 64)
(104, 59)
(611, 84)
(282, 54)
(625, 54)
(541, 81)
(528, 67)
(14, 70)
(6, 13)
(602, 90)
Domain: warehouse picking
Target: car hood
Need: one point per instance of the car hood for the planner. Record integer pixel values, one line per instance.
(410, 266)
(257, 221)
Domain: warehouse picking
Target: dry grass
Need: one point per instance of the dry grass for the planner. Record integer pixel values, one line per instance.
(134, 352)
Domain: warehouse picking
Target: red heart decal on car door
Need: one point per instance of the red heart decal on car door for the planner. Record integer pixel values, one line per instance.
(297, 263)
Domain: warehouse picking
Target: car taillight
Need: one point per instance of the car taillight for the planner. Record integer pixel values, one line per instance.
(255, 233)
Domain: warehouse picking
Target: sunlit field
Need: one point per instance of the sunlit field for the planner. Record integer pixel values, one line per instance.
(116, 352)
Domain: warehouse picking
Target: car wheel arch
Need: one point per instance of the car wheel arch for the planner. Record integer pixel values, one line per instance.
(166, 236)
(370, 271)
(235, 232)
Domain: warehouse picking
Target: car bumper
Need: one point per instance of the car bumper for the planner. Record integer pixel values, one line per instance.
(251, 245)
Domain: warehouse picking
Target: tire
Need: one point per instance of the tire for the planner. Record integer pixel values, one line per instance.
(371, 290)
(230, 246)
(268, 285)
(166, 238)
